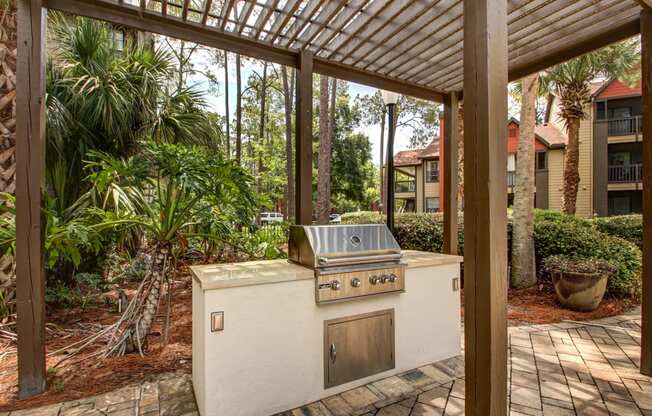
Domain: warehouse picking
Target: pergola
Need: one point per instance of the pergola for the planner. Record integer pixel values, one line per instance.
(430, 49)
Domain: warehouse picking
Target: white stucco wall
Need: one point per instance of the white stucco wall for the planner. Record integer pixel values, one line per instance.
(269, 358)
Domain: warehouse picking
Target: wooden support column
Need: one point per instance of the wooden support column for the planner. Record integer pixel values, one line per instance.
(450, 181)
(303, 178)
(646, 55)
(30, 228)
(485, 206)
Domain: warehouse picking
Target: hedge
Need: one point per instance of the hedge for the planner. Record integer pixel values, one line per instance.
(629, 227)
(554, 233)
(584, 240)
(412, 231)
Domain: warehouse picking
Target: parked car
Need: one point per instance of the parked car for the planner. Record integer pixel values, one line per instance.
(335, 219)
(267, 218)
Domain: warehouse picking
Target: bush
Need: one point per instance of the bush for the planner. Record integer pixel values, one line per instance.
(629, 227)
(412, 231)
(569, 264)
(580, 239)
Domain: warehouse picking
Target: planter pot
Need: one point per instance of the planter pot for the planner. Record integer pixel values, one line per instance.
(579, 291)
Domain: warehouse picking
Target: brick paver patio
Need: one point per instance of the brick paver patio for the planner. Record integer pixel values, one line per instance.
(587, 368)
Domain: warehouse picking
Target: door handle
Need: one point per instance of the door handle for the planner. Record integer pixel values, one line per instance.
(333, 353)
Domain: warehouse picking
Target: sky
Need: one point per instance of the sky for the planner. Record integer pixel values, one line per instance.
(201, 62)
(216, 99)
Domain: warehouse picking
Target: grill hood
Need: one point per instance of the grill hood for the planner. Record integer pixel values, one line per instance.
(322, 246)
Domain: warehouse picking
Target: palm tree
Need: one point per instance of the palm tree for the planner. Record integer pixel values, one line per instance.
(523, 269)
(164, 192)
(570, 82)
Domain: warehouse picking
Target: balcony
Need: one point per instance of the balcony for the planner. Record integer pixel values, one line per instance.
(511, 179)
(625, 126)
(404, 186)
(625, 173)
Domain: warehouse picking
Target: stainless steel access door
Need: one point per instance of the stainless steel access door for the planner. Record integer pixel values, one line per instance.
(358, 346)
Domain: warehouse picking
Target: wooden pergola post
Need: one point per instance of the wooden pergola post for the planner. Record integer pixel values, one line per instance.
(30, 183)
(485, 207)
(646, 314)
(450, 180)
(303, 178)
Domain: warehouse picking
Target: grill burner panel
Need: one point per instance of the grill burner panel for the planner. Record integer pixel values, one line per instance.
(350, 261)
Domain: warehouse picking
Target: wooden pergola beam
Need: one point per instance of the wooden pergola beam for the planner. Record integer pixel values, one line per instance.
(303, 141)
(30, 186)
(646, 314)
(485, 207)
(450, 159)
(545, 58)
(193, 32)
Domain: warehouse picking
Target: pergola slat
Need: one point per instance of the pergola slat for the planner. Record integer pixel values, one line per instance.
(334, 29)
(225, 12)
(329, 12)
(282, 19)
(301, 22)
(207, 10)
(396, 22)
(244, 16)
(263, 18)
(371, 20)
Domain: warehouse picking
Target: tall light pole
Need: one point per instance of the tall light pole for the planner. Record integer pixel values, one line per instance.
(390, 99)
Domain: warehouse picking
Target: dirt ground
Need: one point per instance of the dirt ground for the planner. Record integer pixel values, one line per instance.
(86, 377)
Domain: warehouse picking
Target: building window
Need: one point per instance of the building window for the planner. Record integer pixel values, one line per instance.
(432, 204)
(511, 162)
(541, 161)
(432, 171)
(119, 40)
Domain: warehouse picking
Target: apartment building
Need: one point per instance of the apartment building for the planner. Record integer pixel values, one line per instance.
(610, 159)
(419, 183)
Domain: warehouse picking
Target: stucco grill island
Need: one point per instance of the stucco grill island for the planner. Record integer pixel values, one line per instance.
(347, 308)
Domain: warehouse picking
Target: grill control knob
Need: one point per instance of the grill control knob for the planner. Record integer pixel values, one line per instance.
(335, 285)
(393, 278)
(374, 280)
(355, 282)
(384, 278)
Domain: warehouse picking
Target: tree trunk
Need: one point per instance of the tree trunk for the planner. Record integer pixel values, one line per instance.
(381, 174)
(571, 166)
(226, 105)
(523, 270)
(261, 126)
(288, 91)
(324, 165)
(238, 111)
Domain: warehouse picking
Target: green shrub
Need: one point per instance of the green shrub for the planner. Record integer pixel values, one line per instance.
(412, 231)
(629, 227)
(579, 239)
(569, 264)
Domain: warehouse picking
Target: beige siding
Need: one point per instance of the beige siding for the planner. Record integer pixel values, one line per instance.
(585, 193)
(419, 187)
(555, 178)
(556, 165)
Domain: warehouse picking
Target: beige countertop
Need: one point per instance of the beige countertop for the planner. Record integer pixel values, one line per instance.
(227, 275)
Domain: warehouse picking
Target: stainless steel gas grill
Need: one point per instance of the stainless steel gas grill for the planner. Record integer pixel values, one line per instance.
(349, 261)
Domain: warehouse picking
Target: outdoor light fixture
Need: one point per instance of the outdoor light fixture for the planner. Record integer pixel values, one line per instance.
(390, 99)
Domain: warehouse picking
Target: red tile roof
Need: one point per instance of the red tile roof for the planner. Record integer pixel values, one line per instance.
(547, 136)
(407, 157)
(616, 89)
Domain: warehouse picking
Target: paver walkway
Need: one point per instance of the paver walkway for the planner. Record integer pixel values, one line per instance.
(582, 369)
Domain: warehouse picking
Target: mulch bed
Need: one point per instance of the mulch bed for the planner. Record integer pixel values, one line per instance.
(81, 377)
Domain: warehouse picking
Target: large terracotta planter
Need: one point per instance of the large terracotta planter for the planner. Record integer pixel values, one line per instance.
(579, 291)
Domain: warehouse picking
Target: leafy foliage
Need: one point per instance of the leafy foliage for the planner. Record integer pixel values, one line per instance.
(629, 227)
(569, 264)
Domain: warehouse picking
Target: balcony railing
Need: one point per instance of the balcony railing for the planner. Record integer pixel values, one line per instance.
(511, 178)
(625, 126)
(626, 173)
(405, 186)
